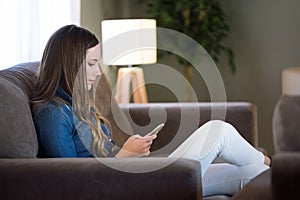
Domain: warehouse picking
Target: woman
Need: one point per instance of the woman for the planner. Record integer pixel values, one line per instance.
(69, 125)
(72, 52)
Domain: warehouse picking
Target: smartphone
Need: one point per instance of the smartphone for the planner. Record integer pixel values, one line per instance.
(156, 130)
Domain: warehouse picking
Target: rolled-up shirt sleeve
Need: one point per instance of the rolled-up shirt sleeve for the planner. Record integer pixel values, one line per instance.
(85, 133)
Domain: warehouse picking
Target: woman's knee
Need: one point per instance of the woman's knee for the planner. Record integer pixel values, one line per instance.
(219, 126)
(217, 122)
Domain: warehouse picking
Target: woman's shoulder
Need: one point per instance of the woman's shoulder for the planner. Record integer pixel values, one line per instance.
(53, 107)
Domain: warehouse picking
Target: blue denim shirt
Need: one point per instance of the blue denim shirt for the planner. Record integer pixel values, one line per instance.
(61, 134)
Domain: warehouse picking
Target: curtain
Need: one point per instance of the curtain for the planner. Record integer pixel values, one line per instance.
(26, 26)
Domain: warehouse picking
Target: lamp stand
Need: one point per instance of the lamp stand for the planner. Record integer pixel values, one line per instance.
(134, 77)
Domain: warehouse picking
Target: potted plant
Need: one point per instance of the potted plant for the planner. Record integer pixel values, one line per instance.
(202, 20)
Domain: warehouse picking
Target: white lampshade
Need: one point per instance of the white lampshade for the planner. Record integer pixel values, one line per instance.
(129, 41)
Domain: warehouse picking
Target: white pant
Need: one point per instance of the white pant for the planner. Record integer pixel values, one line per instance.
(220, 139)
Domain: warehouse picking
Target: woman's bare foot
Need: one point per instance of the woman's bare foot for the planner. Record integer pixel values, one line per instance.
(267, 161)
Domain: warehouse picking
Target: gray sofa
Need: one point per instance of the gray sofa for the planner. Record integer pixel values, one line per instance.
(24, 176)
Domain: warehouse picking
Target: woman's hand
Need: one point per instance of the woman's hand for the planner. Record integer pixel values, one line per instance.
(136, 146)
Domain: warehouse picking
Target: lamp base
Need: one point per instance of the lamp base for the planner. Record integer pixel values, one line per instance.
(133, 77)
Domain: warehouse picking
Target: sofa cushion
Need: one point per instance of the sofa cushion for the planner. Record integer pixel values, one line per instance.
(17, 133)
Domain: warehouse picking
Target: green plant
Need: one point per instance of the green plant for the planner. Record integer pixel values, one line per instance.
(202, 20)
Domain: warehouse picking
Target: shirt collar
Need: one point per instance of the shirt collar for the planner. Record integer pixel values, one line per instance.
(62, 94)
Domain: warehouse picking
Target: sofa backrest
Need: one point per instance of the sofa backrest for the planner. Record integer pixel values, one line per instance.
(182, 119)
(17, 133)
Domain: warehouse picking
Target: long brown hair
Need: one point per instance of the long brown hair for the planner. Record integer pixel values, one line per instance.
(63, 65)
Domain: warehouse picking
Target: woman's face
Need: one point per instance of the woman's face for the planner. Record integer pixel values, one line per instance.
(92, 65)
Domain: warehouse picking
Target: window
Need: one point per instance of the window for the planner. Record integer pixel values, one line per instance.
(26, 26)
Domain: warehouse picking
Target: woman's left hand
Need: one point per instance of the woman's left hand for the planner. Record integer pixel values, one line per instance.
(136, 146)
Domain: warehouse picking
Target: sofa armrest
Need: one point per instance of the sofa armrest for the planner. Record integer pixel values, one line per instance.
(182, 119)
(286, 175)
(89, 178)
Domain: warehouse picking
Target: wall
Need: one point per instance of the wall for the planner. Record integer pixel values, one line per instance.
(265, 39)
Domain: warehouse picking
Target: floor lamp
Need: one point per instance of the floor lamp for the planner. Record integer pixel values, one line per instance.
(129, 42)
